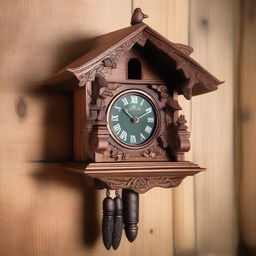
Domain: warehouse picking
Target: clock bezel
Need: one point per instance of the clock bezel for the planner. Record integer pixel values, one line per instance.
(157, 113)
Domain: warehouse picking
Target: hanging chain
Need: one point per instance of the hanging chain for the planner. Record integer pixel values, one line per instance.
(118, 192)
(107, 192)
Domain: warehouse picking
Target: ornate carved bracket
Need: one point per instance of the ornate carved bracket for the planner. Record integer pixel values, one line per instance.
(99, 140)
(179, 142)
(142, 184)
(134, 175)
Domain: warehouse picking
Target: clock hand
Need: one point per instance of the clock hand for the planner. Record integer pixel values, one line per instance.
(127, 112)
(143, 115)
(134, 119)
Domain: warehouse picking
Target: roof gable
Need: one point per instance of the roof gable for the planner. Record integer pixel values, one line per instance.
(108, 48)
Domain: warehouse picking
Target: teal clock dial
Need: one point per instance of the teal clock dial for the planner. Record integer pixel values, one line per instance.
(132, 118)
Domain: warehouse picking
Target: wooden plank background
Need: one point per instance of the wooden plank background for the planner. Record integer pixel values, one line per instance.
(47, 211)
(247, 91)
(212, 36)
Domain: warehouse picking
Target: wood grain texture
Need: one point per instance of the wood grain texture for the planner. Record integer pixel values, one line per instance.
(212, 36)
(47, 211)
(43, 209)
(248, 123)
(183, 196)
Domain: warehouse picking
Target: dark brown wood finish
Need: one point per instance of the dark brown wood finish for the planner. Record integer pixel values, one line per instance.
(118, 228)
(131, 213)
(101, 75)
(108, 221)
(137, 176)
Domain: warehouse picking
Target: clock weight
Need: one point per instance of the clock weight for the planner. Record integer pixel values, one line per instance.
(131, 213)
(108, 220)
(118, 220)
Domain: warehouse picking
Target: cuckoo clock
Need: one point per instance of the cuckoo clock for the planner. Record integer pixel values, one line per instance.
(128, 133)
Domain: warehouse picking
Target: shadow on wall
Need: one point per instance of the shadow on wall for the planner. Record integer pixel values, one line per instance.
(58, 140)
(55, 174)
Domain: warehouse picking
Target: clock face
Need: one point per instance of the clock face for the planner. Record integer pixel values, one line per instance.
(132, 118)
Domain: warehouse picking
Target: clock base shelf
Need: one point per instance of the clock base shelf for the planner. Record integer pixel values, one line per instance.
(134, 175)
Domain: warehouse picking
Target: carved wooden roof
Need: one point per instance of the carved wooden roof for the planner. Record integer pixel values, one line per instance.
(108, 48)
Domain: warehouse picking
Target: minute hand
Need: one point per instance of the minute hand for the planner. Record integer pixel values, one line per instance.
(139, 117)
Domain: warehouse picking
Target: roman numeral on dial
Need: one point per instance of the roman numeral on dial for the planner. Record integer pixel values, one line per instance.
(125, 101)
(148, 129)
(133, 139)
(118, 108)
(123, 135)
(114, 118)
(117, 128)
(148, 110)
(142, 137)
(134, 99)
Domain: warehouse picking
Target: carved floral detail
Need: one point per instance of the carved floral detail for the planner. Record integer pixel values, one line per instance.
(107, 92)
(117, 153)
(142, 184)
(153, 152)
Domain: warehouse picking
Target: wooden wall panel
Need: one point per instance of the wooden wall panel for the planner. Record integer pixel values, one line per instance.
(247, 89)
(212, 36)
(43, 209)
(47, 211)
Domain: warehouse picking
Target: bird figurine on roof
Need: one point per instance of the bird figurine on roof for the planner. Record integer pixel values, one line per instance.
(138, 16)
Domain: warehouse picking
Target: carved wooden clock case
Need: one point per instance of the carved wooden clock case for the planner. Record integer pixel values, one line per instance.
(128, 133)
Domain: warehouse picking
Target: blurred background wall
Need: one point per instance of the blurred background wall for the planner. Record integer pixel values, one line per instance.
(45, 210)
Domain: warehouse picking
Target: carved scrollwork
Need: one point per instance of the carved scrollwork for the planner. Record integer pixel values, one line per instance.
(140, 39)
(142, 184)
(90, 74)
(117, 154)
(108, 90)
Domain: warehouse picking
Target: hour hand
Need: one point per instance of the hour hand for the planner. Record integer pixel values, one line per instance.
(127, 112)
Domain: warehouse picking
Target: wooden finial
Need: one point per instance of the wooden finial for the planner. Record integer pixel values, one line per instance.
(138, 16)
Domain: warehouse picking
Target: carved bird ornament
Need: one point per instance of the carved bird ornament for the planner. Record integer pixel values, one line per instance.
(138, 16)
